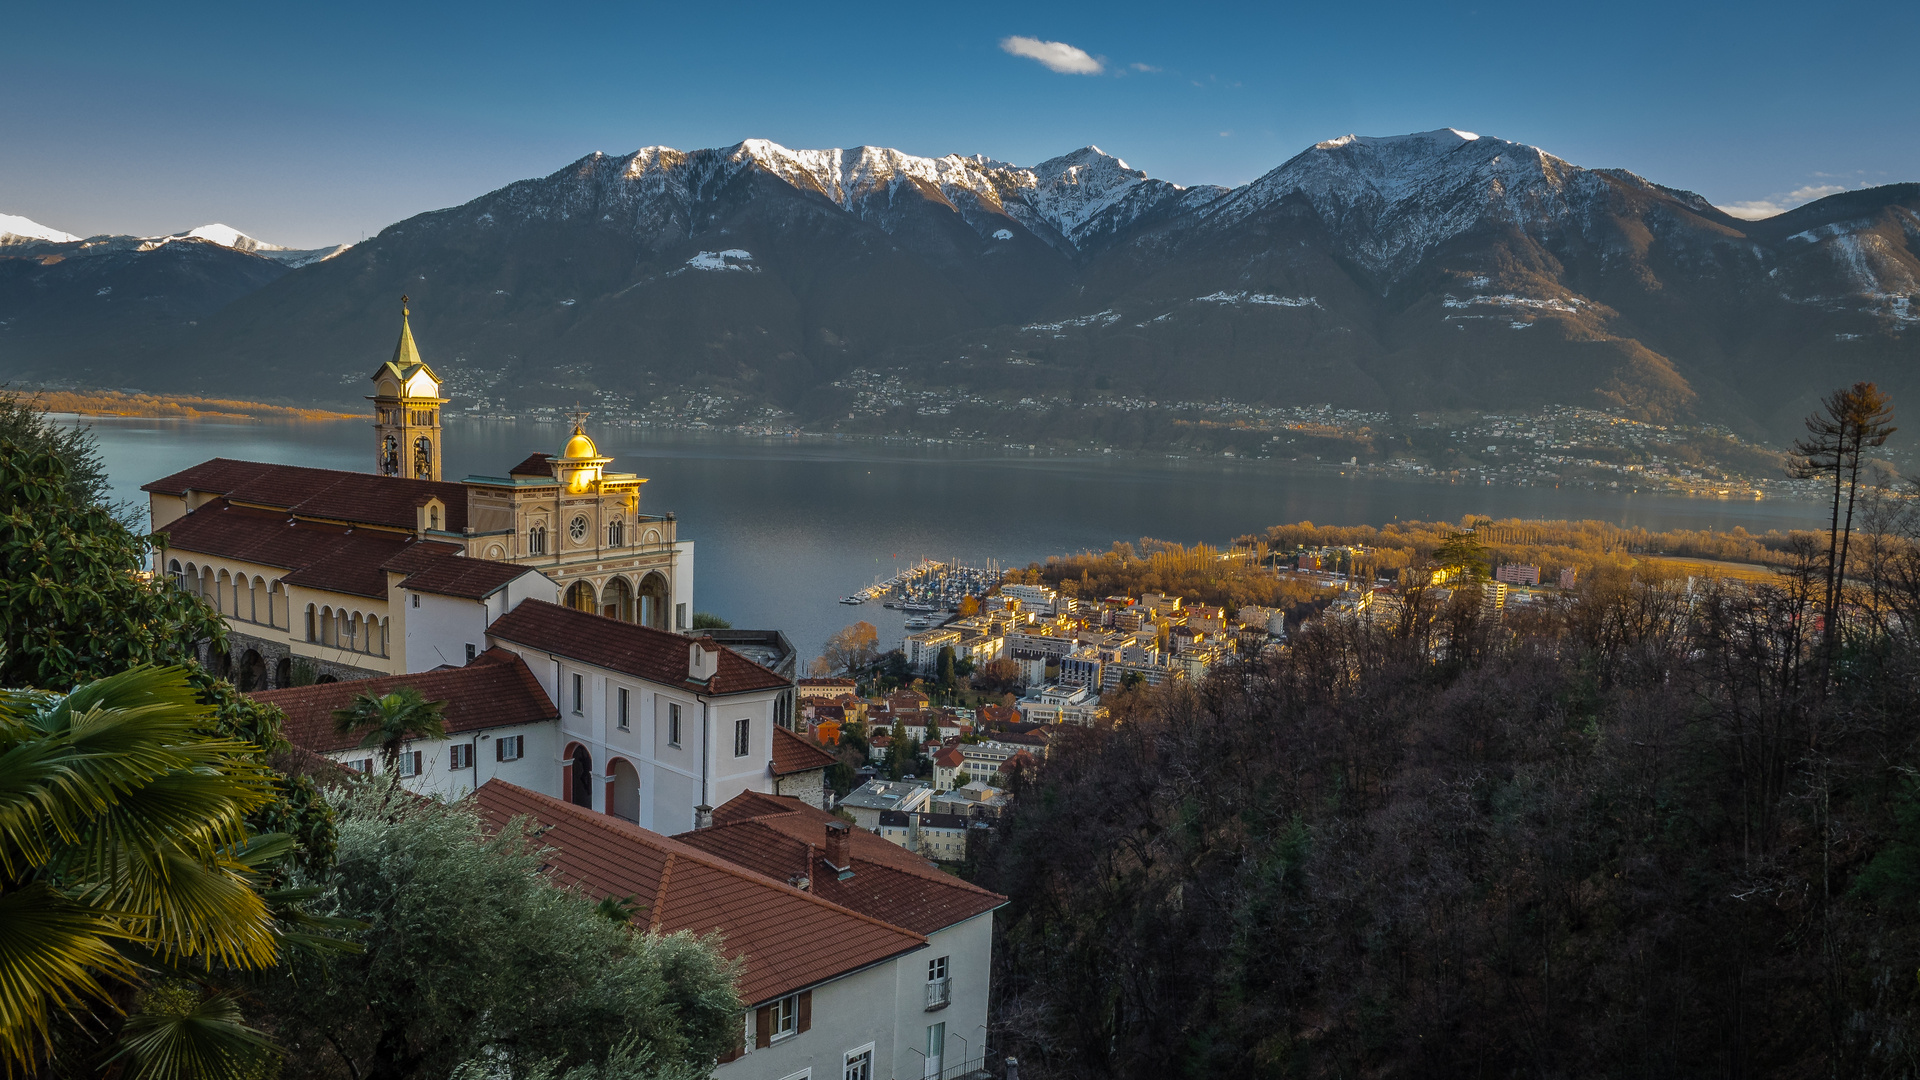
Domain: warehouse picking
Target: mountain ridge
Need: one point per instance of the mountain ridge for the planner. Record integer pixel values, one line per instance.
(1441, 269)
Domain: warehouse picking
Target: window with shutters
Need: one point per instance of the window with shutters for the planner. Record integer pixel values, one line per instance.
(786, 1017)
(361, 765)
(509, 747)
(461, 756)
(410, 763)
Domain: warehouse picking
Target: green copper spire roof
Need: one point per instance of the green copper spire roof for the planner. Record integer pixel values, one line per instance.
(405, 354)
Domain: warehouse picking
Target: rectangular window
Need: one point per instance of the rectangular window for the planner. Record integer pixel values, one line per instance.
(461, 756)
(470, 652)
(859, 1065)
(624, 723)
(410, 763)
(742, 737)
(786, 1017)
(509, 747)
(579, 695)
(936, 969)
(680, 616)
(416, 599)
(360, 765)
(673, 725)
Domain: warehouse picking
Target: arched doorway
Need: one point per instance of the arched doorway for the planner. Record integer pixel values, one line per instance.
(580, 596)
(283, 673)
(623, 790)
(253, 671)
(653, 601)
(223, 666)
(616, 600)
(582, 793)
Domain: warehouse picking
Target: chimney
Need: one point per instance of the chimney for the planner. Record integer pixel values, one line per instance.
(703, 658)
(703, 816)
(839, 839)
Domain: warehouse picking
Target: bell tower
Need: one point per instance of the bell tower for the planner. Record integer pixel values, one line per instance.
(406, 411)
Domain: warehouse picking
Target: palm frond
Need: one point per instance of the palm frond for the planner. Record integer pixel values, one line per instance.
(179, 1035)
(54, 954)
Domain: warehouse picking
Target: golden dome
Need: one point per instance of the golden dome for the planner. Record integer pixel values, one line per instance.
(580, 447)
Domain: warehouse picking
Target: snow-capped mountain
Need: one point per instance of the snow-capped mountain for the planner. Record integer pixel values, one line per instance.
(227, 236)
(15, 229)
(1075, 202)
(1441, 269)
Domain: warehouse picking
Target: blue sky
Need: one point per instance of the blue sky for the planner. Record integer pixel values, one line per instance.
(311, 124)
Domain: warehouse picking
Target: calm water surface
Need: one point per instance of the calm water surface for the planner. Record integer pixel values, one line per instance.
(784, 527)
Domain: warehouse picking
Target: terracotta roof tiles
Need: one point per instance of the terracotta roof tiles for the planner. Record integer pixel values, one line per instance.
(626, 647)
(769, 834)
(495, 690)
(793, 754)
(334, 494)
(789, 939)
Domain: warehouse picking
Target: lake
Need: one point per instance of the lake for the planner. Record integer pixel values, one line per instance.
(784, 527)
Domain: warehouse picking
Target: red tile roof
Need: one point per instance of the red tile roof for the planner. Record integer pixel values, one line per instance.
(769, 834)
(626, 647)
(473, 579)
(793, 754)
(949, 758)
(495, 690)
(334, 494)
(533, 466)
(337, 558)
(789, 939)
(334, 557)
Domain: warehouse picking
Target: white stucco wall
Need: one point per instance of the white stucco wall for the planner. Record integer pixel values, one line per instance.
(535, 769)
(968, 947)
(669, 776)
(848, 1013)
(439, 628)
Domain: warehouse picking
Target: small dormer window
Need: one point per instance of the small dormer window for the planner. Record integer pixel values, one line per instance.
(433, 517)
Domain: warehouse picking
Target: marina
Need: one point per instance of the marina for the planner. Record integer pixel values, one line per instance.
(930, 586)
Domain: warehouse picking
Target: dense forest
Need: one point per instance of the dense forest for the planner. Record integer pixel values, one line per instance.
(1661, 828)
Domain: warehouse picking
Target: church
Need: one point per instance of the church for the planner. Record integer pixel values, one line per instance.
(549, 612)
(333, 570)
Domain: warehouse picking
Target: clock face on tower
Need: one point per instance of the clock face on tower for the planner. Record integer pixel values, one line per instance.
(577, 528)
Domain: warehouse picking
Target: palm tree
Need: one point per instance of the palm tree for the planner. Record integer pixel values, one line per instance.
(124, 853)
(392, 721)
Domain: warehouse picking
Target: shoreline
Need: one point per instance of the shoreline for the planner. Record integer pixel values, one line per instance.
(125, 406)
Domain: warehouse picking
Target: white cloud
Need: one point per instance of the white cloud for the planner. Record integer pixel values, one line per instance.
(1056, 55)
(1781, 201)
(1814, 191)
(1137, 66)
(1753, 211)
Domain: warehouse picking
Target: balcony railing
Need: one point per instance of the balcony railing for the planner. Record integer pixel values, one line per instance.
(939, 993)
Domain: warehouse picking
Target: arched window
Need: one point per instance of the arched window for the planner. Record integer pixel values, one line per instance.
(580, 596)
(617, 534)
(329, 634)
(193, 579)
(616, 600)
(179, 576)
(390, 456)
(385, 628)
(261, 602)
(537, 540)
(423, 458)
(353, 633)
(313, 632)
(653, 602)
